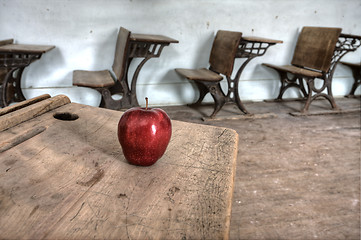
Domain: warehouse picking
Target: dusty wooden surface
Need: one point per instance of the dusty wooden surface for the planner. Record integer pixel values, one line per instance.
(71, 181)
(260, 39)
(23, 104)
(298, 178)
(27, 48)
(151, 38)
(15, 117)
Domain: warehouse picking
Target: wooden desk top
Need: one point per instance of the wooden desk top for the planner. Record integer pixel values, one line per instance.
(355, 65)
(151, 38)
(346, 35)
(69, 179)
(25, 48)
(260, 39)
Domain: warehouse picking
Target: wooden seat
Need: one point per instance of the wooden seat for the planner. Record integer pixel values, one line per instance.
(313, 58)
(104, 81)
(221, 61)
(203, 74)
(93, 79)
(296, 70)
(356, 73)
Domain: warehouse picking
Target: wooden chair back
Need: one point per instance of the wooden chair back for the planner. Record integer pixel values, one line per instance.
(315, 47)
(120, 56)
(223, 51)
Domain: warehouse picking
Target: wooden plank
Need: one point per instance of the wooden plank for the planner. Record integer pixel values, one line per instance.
(261, 39)
(12, 142)
(346, 35)
(93, 79)
(355, 65)
(295, 70)
(6, 41)
(23, 104)
(136, 37)
(315, 47)
(202, 74)
(72, 182)
(13, 118)
(26, 48)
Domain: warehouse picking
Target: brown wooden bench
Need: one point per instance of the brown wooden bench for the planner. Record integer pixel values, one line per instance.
(103, 80)
(356, 73)
(221, 61)
(313, 58)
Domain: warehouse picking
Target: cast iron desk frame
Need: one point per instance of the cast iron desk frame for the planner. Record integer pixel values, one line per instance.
(14, 58)
(249, 48)
(140, 46)
(346, 43)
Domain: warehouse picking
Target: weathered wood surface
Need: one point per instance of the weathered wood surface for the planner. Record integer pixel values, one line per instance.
(151, 38)
(260, 39)
(315, 48)
(93, 79)
(13, 118)
(23, 104)
(71, 181)
(25, 48)
(295, 70)
(202, 74)
(357, 65)
(6, 41)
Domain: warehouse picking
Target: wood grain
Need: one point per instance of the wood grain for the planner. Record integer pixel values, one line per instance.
(13, 118)
(72, 182)
(6, 41)
(28, 48)
(151, 38)
(12, 142)
(23, 104)
(315, 48)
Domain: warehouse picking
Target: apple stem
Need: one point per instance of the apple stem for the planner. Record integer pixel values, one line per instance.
(146, 103)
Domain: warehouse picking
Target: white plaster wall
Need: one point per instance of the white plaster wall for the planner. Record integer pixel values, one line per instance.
(84, 32)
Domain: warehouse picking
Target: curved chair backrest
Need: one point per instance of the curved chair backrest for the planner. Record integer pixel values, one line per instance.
(223, 51)
(121, 53)
(315, 47)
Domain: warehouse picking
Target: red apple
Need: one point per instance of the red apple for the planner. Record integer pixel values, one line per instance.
(144, 134)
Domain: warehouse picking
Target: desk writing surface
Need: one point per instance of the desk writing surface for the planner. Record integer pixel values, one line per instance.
(152, 38)
(71, 181)
(260, 39)
(26, 48)
(346, 35)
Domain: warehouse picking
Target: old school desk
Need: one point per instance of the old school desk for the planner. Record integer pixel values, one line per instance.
(145, 46)
(13, 59)
(249, 48)
(63, 176)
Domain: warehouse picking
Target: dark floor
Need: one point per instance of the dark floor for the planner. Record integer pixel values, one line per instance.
(297, 177)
